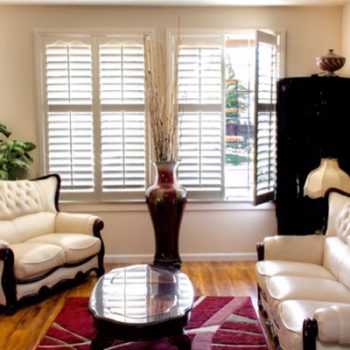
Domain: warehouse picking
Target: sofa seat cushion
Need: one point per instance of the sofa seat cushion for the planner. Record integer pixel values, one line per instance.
(280, 288)
(36, 259)
(269, 268)
(76, 246)
(290, 317)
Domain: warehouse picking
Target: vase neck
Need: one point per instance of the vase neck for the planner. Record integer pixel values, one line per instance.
(166, 172)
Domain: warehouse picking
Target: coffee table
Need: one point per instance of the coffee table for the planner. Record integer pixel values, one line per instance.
(141, 303)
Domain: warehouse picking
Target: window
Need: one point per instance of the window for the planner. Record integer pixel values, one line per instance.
(95, 132)
(93, 121)
(227, 99)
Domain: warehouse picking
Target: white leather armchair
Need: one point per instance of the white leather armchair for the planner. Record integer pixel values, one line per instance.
(304, 283)
(41, 248)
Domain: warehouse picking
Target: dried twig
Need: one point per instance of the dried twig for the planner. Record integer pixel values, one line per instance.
(162, 109)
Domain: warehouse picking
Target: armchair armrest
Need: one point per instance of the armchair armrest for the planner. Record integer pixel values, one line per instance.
(78, 223)
(307, 249)
(8, 292)
(333, 324)
(3, 244)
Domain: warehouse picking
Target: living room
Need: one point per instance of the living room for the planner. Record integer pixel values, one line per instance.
(211, 230)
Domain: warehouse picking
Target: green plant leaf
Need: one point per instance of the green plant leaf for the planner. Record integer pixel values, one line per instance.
(4, 131)
(29, 146)
(19, 163)
(13, 155)
(4, 175)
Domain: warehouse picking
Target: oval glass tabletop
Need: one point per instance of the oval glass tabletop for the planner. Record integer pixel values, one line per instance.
(141, 294)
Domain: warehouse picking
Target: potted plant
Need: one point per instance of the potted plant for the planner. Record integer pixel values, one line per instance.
(14, 155)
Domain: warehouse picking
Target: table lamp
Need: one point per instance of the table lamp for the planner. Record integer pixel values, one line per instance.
(327, 175)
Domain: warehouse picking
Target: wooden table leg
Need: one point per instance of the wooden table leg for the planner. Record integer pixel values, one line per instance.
(100, 342)
(182, 342)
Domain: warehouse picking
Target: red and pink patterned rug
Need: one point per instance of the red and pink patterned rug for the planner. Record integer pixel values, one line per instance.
(217, 323)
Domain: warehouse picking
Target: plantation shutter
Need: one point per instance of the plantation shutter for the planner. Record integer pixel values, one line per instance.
(123, 132)
(265, 117)
(200, 120)
(68, 72)
(94, 119)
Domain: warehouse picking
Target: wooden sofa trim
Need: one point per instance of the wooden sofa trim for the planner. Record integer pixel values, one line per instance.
(310, 331)
(8, 281)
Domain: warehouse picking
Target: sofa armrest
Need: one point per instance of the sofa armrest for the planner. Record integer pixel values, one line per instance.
(78, 223)
(307, 249)
(333, 324)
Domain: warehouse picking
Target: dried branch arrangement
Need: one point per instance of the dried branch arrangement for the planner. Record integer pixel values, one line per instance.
(162, 100)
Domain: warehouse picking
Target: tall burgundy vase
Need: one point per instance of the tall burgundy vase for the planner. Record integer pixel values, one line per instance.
(166, 200)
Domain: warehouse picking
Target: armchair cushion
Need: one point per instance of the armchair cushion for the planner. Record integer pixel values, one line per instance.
(76, 246)
(307, 249)
(296, 287)
(291, 314)
(333, 323)
(269, 268)
(36, 259)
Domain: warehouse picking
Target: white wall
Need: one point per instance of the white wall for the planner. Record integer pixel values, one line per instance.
(209, 231)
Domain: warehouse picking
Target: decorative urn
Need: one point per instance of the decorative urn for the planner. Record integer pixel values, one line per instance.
(330, 63)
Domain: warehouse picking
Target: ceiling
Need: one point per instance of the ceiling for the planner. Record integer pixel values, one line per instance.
(183, 2)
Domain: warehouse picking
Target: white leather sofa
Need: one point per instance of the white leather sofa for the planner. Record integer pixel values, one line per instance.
(304, 283)
(41, 248)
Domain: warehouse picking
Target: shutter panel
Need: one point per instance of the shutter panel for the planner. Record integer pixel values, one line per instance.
(123, 132)
(69, 120)
(123, 150)
(201, 122)
(121, 74)
(265, 117)
(68, 73)
(70, 138)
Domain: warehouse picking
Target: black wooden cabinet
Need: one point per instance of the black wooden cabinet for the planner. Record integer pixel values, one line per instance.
(313, 121)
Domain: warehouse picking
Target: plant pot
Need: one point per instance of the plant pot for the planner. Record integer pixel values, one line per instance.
(166, 200)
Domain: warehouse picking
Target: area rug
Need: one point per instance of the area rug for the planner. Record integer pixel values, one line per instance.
(217, 323)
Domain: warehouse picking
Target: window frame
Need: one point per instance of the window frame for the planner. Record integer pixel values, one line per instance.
(170, 34)
(280, 33)
(93, 37)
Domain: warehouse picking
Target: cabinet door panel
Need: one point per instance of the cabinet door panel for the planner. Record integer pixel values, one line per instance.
(313, 121)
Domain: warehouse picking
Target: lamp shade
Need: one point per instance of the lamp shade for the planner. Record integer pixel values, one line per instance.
(327, 175)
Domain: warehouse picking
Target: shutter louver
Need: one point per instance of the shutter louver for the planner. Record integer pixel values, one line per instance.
(200, 127)
(121, 74)
(69, 74)
(123, 151)
(123, 148)
(265, 135)
(70, 122)
(70, 137)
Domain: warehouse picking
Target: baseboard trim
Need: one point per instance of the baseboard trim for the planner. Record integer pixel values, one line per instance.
(148, 258)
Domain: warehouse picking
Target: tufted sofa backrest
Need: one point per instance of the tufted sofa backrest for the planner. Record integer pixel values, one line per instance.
(336, 249)
(338, 223)
(23, 197)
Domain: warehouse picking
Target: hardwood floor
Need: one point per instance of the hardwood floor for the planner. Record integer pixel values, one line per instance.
(23, 330)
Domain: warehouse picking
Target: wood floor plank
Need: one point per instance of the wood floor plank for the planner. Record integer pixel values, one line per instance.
(24, 330)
